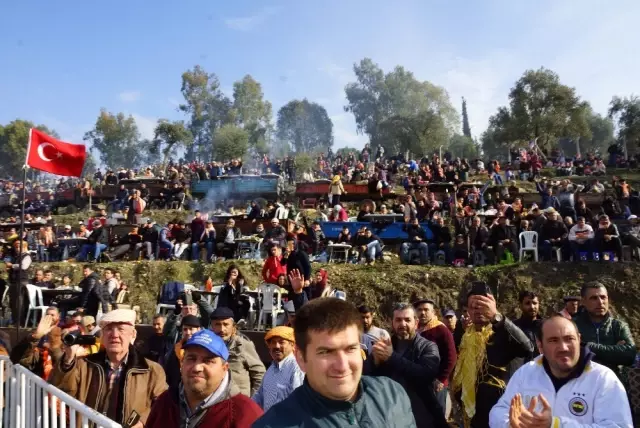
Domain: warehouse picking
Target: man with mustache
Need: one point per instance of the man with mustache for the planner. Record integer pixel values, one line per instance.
(284, 374)
(563, 387)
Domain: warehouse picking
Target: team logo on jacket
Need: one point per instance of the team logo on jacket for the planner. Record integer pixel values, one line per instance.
(577, 406)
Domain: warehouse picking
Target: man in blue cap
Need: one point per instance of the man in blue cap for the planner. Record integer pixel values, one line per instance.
(207, 395)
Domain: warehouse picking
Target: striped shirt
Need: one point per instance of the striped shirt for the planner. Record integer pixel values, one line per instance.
(278, 382)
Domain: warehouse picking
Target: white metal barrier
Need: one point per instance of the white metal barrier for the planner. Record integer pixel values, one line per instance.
(31, 402)
(5, 385)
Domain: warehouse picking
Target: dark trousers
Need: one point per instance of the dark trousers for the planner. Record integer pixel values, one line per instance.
(18, 298)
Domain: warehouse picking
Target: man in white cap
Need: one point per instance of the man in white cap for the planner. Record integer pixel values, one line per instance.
(126, 382)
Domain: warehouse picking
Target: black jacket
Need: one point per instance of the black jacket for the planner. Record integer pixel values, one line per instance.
(229, 297)
(553, 230)
(93, 295)
(415, 232)
(416, 369)
(500, 233)
(99, 235)
(507, 343)
(299, 260)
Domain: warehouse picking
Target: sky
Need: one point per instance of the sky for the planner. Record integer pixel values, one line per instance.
(62, 61)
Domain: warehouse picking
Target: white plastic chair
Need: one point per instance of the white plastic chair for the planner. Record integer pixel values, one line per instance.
(282, 213)
(267, 291)
(164, 309)
(529, 242)
(36, 304)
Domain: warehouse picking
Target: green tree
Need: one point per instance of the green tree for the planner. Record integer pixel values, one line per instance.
(463, 147)
(305, 126)
(345, 151)
(230, 142)
(466, 129)
(116, 138)
(252, 113)
(14, 139)
(601, 128)
(626, 113)
(542, 108)
(208, 109)
(169, 136)
(90, 166)
(380, 102)
(493, 146)
(304, 162)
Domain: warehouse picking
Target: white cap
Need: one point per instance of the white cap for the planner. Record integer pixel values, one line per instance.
(122, 316)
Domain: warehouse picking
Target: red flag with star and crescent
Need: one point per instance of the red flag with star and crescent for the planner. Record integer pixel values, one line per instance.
(52, 155)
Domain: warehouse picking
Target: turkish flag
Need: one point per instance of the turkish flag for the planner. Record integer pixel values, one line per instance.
(57, 157)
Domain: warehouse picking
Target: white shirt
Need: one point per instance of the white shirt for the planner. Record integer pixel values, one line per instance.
(594, 399)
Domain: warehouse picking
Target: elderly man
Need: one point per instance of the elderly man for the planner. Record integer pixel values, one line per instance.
(334, 393)
(246, 368)
(563, 387)
(128, 382)
(283, 375)
(413, 362)
(207, 395)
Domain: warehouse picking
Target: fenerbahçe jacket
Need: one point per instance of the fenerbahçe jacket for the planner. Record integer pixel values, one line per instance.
(596, 398)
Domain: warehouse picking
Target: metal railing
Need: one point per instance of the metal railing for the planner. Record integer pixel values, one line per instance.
(31, 402)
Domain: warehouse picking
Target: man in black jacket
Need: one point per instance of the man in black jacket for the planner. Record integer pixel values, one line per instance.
(97, 242)
(553, 234)
(94, 294)
(503, 237)
(497, 341)
(173, 359)
(413, 362)
(297, 259)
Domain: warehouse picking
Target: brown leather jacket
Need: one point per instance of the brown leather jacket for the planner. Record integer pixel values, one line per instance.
(86, 380)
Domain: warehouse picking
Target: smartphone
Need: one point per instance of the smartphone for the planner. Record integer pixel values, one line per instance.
(480, 288)
(188, 299)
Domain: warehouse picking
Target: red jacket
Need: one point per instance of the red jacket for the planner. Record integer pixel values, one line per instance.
(443, 338)
(275, 267)
(238, 411)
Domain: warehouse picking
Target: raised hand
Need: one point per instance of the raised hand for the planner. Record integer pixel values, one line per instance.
(296, 281)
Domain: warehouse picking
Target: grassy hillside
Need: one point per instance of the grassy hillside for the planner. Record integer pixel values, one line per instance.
(383, 285)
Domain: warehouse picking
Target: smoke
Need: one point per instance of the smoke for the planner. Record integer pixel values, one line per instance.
(214, 201)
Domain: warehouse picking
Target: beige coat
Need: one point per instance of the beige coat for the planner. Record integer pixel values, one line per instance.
(246, 367)
(87, 381)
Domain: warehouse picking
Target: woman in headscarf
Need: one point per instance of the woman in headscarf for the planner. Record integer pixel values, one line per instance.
(318, 286)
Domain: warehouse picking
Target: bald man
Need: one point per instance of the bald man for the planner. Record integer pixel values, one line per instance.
(562, 387)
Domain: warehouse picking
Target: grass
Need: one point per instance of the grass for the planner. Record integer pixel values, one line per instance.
(383, 285)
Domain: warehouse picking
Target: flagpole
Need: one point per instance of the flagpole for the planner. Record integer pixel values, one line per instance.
(21, 238)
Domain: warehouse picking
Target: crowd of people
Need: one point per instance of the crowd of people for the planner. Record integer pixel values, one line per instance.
(330, 364)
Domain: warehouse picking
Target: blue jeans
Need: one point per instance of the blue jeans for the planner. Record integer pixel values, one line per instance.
(374, 249)
(442, 399)
(96, 248)
(408, 246)
(195, 251)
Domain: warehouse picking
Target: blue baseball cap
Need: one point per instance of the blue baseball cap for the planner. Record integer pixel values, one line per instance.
(209, 341)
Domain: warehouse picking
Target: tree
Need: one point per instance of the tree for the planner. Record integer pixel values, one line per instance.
(345, 151)
(116, 138)
(541, 108)
(381, 101)
(463, 147)
(466, 129)
(626, 112)
(14, 139)
(252, 113)
(601, 137)
(305, 126)
(230, 142)
(90, 166)
(208, 109)
(169, 136)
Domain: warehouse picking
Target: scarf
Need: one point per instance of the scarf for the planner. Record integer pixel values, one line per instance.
(432, 324)
(472, 362)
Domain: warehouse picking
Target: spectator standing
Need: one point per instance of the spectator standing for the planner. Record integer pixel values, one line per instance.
(334, 393)
(530, 321)
(283, 375)
(207, 395)
(607, 337)
(130, 382)
(486, 350)
(297, 259)
(174, 358)
(413, 362)
(94, 295)
(246, 368)
(197, 235)
(158, 345)
(18, 279)
(232, 294)
(432, 329)
(563, 387)
(376, 333)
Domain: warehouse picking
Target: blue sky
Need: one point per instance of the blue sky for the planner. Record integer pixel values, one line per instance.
(64, 60)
